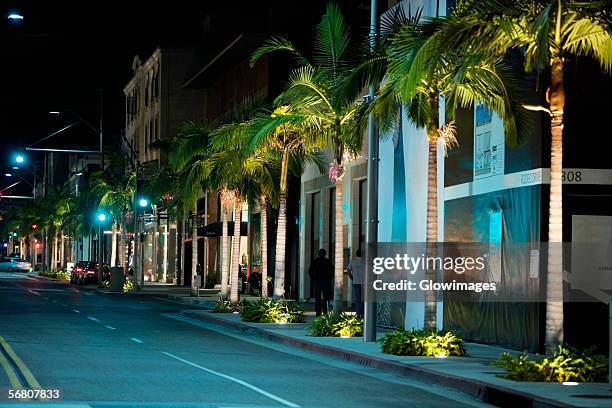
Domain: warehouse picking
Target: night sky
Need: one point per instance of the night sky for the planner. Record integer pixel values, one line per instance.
(62, 53)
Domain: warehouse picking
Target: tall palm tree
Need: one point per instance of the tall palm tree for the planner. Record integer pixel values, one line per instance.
(195, 154)
(115, 187)
(315, 91)
(187, 157)
(243, 174)
(290, 136)
(418, 71)
(548, 33)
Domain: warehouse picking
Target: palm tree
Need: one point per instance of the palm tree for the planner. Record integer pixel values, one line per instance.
(195, 155)
(418, 71)
(187, 157)
(285, 133)
(315, 92)
(549, 33)
(116, 188)
(242, 174)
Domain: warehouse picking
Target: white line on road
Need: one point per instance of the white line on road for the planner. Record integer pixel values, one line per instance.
(92, 318)
(134, 339)
(31, 291)
(236, 380)
(110, 327)
(75, 311)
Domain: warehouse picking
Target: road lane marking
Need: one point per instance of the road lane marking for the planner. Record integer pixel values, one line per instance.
(25, 371)
(31, 291)
(92, 319)
(75, 311)
(110, 327)
(134, 339)
(236, 380)
(15, 383)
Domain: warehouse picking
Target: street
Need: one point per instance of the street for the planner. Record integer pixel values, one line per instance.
(96, 348)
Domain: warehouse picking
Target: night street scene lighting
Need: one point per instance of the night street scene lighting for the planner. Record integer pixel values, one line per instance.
(326, 204)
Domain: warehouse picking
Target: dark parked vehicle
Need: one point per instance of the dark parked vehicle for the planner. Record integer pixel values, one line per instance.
(87, 271)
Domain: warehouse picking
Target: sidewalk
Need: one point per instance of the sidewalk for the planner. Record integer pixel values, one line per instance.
(474, 375)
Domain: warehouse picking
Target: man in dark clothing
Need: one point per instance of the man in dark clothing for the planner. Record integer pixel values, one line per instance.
(321, 272)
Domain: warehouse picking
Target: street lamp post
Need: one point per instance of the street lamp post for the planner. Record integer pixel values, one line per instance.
(101, 217)
(369, 326)
(138, 250)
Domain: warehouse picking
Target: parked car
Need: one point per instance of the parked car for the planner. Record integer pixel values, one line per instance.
(15, 265)
(87, 271)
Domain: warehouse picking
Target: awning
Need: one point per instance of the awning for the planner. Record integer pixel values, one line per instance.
(216, 228)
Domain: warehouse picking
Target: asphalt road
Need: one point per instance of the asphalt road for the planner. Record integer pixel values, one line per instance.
(114, 350)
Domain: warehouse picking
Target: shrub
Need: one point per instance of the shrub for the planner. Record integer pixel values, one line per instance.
(566, 364)
(336, 324)
(271, 311)
(423, 343)
(60, 275)
(128, 286)
(223, 306)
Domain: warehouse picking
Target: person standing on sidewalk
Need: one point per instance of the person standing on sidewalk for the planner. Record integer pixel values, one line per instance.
(356, 271)
(321, 272)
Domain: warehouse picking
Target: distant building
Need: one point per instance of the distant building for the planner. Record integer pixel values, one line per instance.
(156, 103)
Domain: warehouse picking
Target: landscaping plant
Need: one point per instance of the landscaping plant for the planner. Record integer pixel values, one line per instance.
(423, 343)
(271, 311)
(336, 324)
(566, 364)
(223, 306)
(128, 286)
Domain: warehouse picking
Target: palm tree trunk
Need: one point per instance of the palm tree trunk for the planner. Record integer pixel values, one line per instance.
(122, 244)
(179, 251)
(236, 252)
(281, 231)
(554, 286)
(264, 247)
(194, 246)
(339, 248)
(62, 250)
(114, 245)
(432, 226)
(54, 252)
(224, 255)
(281, 245)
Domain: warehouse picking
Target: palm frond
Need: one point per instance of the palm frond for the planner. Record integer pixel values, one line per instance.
(332, 37)
(590, 38)
(276, 44)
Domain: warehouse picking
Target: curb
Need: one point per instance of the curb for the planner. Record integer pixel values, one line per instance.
(486, 392)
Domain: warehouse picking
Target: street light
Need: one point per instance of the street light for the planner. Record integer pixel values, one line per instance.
(15, 16)
(101, 217)
(143, 202)
(19, 158)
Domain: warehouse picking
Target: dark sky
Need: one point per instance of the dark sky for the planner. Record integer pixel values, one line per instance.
(62, 53)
